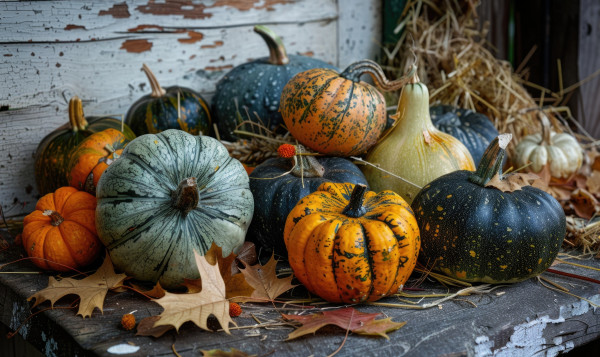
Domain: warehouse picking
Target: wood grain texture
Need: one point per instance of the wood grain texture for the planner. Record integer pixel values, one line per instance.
(588, 63)
(53, 50)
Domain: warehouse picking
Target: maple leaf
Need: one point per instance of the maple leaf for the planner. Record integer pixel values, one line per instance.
(219, 353)
(197, 307)
(91, 290)
(512, 182)
(347, 318)
(264, 280)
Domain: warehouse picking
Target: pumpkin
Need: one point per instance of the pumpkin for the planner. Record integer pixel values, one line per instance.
(251, 91)
(474, 130)
(278, 184)
(561, 152)
(168, 195)
(473, 231)
(92, 157)
(60, 234)
(335, 113)
(414, 152)
(347, 244)
(168, 108)
(51, 162)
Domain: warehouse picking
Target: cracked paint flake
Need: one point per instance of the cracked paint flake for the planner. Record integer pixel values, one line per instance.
(192, 10)
(136, 46)
(118, 11)
(214, 45)
(193, 37)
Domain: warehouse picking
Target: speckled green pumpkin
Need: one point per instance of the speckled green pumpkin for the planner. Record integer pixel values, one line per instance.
(481, 234)
(276, 194)
(168, 195)
(51, 161)
(255, 87)
(474, 130)
(169, 108)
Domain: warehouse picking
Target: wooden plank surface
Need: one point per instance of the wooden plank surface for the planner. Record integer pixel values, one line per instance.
(522, 319)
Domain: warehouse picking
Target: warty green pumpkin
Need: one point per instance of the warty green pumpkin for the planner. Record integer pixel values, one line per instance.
(478, 233)
(168, 195)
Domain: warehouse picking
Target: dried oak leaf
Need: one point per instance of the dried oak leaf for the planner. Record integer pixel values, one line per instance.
(263, 278)
(593, 183)
(512, 182)
(197, 307)
(146, 327)
(156, 292)
(220, 353)
(91, 290)
(348, 319)
(584, 203)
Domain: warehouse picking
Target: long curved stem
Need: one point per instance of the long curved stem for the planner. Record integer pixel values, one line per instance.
(354, 71)
(277, 53)
(157, 90)
(76, 118)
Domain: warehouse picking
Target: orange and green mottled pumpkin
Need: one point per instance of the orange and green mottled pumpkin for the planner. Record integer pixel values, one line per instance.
(335, 113)
(347, 244)
(53, 153)
(61, 233)
(92, 157)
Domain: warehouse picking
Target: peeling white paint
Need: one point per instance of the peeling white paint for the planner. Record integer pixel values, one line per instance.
(50, 347)
(18, 316)
(123, 349)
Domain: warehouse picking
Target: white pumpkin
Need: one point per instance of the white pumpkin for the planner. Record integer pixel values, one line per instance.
(560, 150)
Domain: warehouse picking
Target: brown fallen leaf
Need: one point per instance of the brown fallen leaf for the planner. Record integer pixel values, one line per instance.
(263, 278)
(512, 182)
(584, 203)
(156, 292)
(91, 290)
(146, 327)
(348, 319)
(593, 183)
(219, 353)
(197, 307)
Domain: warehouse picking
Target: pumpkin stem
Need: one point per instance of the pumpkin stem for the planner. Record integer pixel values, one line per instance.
(306, 165)
(355, 207)
(546, 129)
(157, 90)
(76, 118)
(186, 197)
(355, 70)
(277, 53)
(491, 162)
(55, 217)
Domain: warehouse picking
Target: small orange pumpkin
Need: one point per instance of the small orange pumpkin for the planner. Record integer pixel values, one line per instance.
(61, 233)
(347, 244)
(92, 157)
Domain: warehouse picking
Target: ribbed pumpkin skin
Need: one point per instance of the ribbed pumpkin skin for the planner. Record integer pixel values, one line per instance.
(91, 156)
(72, 243)
(155, 114)
(276, 195)
(474, 130)
(256, 85)
(346, 259)
(331, 114)
(146, 236)
(53, 153)
(481, 234)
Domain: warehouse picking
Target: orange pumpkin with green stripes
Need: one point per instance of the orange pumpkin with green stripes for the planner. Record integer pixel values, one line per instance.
(92, 157)
(335, 113)
(347, 244)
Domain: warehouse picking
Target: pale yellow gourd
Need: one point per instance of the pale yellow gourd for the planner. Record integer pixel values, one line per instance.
(559, 150)
(414, 152)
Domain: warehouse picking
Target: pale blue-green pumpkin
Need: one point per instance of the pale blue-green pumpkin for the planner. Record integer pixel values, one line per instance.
(168, 195)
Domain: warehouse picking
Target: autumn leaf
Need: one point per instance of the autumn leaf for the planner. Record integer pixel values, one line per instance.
(91, 290)
(512, 182)
(235, 283)
(156, 292)
(197, 307)
(219, 353)
(263, 278)
(146, 327)
(584, 203)
(348, 319)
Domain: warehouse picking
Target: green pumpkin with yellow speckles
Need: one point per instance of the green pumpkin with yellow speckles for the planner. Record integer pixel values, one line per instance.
(169, 108)
(480, 233)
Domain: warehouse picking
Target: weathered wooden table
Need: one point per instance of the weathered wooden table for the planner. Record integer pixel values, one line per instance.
(524, 319)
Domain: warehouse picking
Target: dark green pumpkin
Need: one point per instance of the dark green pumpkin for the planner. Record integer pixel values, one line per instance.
(474, 130)
(51, 161)
(482, 234)
(169, 108)
(276, 193)
(255, 87)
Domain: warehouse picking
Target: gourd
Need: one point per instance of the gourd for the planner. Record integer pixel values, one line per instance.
(91, 157)
(168, 108)
(255, 87)
(561, 151)
(347, 244)
(474, 130)
(278, 184)
(414, 152)
(335, 113)
(168, 195)
(60, 234)
(473, 231)
(51, 162)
